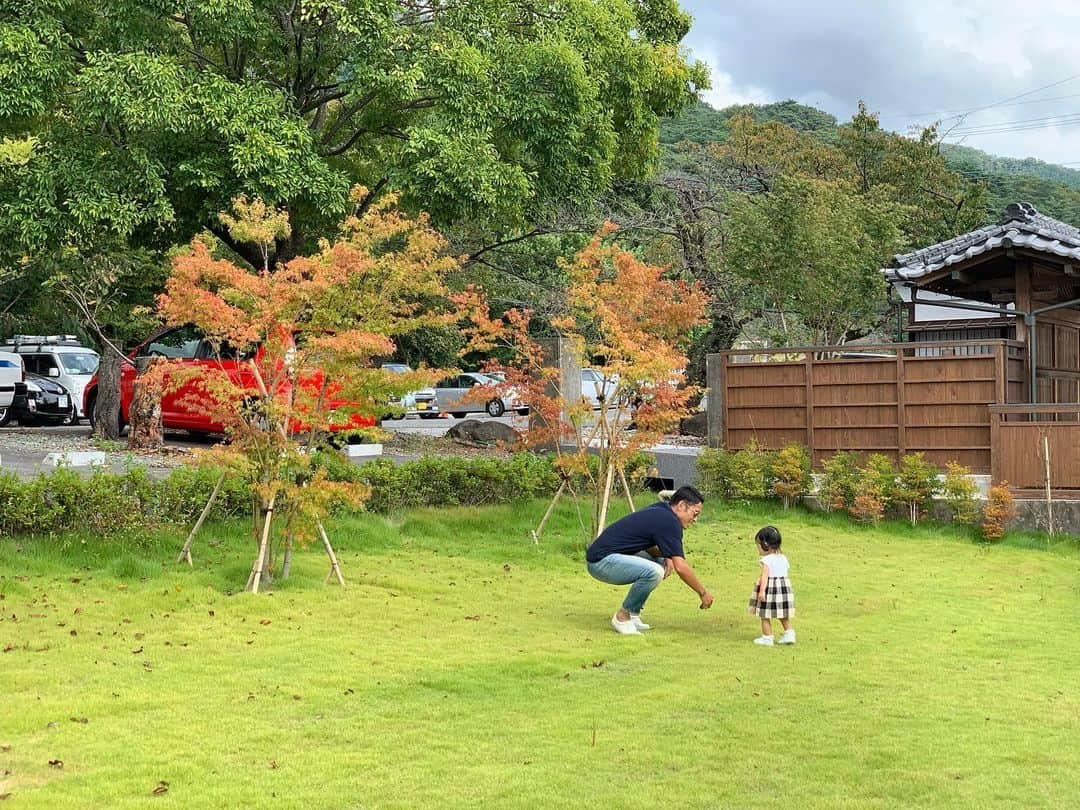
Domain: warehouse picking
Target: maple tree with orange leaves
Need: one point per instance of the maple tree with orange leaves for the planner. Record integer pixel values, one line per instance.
(633, 321)
(298, 347)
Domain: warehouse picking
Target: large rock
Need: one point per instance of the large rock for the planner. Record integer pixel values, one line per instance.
(487, 433)
(696, 425)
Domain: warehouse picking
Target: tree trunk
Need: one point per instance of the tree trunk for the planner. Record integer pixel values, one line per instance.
(107, 405)
(145, 410)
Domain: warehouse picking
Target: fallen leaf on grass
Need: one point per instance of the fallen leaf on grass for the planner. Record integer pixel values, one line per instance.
(56, 763)
(4, 796)
(83, 720)
(264, 621)
(475, 618)
(5, 747)
(162, 787)
(272, 765)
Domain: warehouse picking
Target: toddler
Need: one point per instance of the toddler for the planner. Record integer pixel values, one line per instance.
(773, 597)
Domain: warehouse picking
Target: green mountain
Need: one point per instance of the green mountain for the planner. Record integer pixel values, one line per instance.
(1053, 189)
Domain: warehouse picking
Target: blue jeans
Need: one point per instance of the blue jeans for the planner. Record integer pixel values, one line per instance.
(641, 572)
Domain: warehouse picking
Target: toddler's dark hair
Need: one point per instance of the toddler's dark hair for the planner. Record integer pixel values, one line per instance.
(768, 537)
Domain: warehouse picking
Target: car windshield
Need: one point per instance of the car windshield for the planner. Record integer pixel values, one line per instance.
(78, 362)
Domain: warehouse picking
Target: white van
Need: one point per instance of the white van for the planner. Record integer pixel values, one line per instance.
(11, 375)
(59, 357)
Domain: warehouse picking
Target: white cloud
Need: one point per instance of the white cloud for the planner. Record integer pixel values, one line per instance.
(902, 57)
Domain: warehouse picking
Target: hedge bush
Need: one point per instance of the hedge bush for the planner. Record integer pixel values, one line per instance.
(107, 504)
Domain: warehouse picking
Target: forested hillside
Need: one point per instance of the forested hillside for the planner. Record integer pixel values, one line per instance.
(1053, 189)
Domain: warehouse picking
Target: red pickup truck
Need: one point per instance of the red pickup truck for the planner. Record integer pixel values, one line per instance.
(186, 344)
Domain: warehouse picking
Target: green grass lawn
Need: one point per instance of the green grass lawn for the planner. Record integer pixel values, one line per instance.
(464, 666)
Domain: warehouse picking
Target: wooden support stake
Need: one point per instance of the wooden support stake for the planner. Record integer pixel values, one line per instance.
(605, 496)
(551, 507)
(335, 569)
(626, 490)
(1049, 500)
(256, 571)
(185, 552)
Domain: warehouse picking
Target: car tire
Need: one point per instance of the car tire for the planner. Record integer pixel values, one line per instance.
(71, 419)
(458, 414)
(429, 416)
(495, 407)
(5, 416)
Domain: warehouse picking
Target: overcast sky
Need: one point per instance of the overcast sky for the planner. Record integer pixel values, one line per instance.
(911, 61)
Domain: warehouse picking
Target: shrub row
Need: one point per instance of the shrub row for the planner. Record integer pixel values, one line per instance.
(107, 504)
(868, 491)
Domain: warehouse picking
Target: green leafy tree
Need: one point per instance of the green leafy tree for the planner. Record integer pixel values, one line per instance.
(814, 248)
(148, 118)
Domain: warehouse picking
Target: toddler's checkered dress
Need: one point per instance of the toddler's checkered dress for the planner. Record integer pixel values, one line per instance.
(779, 600)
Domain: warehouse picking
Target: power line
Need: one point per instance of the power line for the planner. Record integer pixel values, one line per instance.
(969, 110)
(1017, 126)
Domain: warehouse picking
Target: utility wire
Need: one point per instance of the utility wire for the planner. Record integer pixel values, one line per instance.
(968, 110)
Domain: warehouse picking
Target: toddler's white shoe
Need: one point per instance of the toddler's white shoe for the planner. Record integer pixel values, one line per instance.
(627, 628)
(764, 641)
(788, 637)
(638, 623)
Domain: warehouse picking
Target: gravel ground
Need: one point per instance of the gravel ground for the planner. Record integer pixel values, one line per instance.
(34, 444)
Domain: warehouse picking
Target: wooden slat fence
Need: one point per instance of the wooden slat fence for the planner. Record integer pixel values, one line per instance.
(893, 398)
(1024, 436)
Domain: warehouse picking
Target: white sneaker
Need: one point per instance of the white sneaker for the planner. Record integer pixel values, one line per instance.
(788, 637)
(627, 628)
(764, 641)
(638, 623)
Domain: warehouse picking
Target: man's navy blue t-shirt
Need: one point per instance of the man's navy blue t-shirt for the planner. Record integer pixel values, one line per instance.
(655, 525)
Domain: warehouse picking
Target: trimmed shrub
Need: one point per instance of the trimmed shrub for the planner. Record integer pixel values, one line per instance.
(790, 472)
(868, 503)
(714, 472)
(840, 474)
(999, 510)
(749, 476)
(960, 492)
(916, 484)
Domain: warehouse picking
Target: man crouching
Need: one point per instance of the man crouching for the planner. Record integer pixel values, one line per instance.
(641, 550)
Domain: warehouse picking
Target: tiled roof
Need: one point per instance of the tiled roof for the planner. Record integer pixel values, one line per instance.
(1020, 226)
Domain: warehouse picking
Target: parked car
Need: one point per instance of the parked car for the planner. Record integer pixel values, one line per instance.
(420, 403)
(61, 357)
(41, 401)
(596, 387)
(451, 396)
(186, 344)
(11, 383)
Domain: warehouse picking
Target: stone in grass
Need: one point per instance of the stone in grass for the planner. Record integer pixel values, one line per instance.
(477, 433)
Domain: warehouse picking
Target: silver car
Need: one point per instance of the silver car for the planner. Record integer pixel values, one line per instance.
(415, 403)
(596, 387)
(451, 396)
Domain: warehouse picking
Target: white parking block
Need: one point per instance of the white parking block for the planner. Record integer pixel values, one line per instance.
(86, 458)
(362, 450)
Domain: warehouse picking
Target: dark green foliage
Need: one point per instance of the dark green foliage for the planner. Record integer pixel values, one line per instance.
(452, 480)
(701, 123)
(743, 475)
(108, 503)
